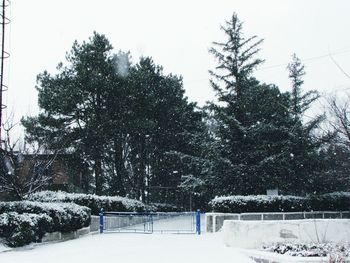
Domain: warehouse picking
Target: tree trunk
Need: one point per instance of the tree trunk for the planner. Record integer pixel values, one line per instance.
(98, 175)
(142, 175)
(120, 168)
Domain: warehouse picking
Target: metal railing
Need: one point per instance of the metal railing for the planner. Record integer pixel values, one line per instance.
(214, 221)
(148, 222)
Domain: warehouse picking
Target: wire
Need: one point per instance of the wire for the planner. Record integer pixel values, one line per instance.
(9, 51)
(307, 59)
(285, 64)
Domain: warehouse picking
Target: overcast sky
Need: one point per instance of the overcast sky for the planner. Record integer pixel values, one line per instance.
(177, 34)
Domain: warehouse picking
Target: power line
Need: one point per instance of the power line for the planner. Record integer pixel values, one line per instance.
(307, 59)
(4, 21)
(283, 64)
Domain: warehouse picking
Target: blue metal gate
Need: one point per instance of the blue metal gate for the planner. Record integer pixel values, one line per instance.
(150, 222)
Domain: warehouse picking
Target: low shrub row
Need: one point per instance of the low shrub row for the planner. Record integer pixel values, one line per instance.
(94, 202)
(162, 207)
(262, 203)
(65, 217)
(257, 203)
(24, 222)
(338, 201)
(22, 229)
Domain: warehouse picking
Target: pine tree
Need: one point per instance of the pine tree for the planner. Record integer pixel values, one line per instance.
(124, 120)
(162, 122)
(118, 112)
(73, 104)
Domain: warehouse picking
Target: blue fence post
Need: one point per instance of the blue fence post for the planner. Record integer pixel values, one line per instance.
(101, 221)
(198, 222)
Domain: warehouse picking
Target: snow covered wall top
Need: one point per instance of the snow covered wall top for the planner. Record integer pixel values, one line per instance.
(255, 234)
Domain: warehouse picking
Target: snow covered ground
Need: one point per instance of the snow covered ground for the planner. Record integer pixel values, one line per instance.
(3, 248)
(118, 247)
(161, 222)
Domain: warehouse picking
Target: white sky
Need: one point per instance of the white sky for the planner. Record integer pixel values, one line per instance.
(177, 34)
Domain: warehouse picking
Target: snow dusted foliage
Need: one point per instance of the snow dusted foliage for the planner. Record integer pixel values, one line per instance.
(162, 207)
(338, 201)
(21, 229)
(257, 203)
(94, 202)
(332, 201)
(338, 252)
(66, 217)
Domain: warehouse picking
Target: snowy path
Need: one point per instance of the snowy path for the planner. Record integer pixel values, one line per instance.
(134, 248)
(184, 223)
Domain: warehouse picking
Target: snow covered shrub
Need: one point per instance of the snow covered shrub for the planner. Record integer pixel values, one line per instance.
(161, 207)
(338, 201)
(22, 229)
(258, 203)
(65, 217)
(94, 202)
(338, 253)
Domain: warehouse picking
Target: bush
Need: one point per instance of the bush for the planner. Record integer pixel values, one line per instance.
(258, 203)
(94, 202)
(22, 229)
(339, 201)
(65, 217)
(161, 207)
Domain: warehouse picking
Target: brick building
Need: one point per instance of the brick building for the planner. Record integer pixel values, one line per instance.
(66, 171)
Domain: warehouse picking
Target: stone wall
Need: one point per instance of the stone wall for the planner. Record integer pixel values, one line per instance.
(58, 236)
(253, 234)
(215, 221)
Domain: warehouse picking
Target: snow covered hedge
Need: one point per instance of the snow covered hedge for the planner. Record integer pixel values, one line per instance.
(22, 229)
(162, 207)
(258, 203)
(24, 222)
(94, 202)
(65, 217)
(339, 201)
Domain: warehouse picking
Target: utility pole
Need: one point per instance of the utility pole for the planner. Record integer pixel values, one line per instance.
(4, 55)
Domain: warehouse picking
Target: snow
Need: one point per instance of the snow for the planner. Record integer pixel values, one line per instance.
(3, 248)
(310, 249)
(133, 248)
(42, 206)
(255, 234)
(60, 196)
(244, 199)
(31, 219)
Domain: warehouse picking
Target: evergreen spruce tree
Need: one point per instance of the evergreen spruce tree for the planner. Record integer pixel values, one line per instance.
(304, 138)
(252, 119)
(236, 63)
(299, 102)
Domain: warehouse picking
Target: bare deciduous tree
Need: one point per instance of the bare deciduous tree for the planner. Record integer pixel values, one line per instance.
(340, 117)
(15, 180)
